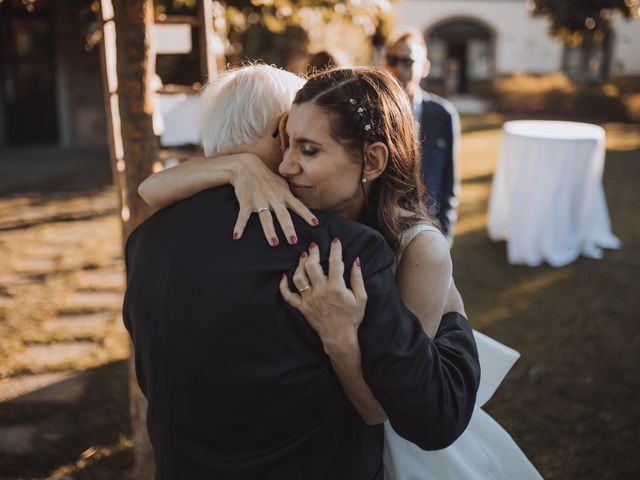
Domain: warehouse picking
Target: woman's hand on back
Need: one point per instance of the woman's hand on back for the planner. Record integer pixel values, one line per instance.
(332, 309)
(258, 190)
(335, 312)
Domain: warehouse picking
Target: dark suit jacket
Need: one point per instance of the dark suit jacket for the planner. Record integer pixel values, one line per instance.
(439, 135)
(238, 384)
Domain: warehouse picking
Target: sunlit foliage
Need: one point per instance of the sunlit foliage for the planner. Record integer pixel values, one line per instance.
(573, 20)
(278, 31)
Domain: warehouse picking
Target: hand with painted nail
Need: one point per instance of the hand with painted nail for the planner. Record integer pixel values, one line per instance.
(265, 193)
(332, 309)
(259, 190)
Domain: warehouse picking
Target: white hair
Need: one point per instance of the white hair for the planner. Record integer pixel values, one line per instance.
(241, 105)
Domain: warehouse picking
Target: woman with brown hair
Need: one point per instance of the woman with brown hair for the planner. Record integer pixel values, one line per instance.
(369, 116)
(359, 120)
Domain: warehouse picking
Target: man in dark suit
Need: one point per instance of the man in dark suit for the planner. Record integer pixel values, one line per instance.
(406, 59)
(238, 384)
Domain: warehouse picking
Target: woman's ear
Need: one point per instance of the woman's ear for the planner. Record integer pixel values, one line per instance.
(376, 156)
(282, 129)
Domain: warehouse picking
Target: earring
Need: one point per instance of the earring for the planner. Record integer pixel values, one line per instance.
(364, 179)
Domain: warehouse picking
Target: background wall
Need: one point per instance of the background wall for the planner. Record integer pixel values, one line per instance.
(522, 42)
(626, 47)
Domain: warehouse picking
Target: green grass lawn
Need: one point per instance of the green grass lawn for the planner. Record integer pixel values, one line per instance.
(571, 400)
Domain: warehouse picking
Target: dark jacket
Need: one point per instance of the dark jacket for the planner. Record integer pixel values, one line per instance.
(238, 384)
(439, 136)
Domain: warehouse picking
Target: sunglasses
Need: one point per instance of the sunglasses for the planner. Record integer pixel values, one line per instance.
(394, 60)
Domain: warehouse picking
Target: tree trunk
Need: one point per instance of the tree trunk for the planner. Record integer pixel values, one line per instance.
(128, 63)
(133, 156)
(208, 62)
(136, 65)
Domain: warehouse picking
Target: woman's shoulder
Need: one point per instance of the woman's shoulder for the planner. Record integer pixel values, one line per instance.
(425, 244)
(425, 231)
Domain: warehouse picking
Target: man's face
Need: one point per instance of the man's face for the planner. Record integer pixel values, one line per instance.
(407, 61)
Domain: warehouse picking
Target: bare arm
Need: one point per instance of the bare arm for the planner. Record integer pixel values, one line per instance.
(454, 301)
(258, 189)
(348, 366)
(423, 278)
(428, 392)
(169, 186)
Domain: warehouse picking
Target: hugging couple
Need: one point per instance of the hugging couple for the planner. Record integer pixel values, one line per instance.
(338, 347)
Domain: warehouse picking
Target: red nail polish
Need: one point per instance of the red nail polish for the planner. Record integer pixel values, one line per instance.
(358, 262)
(313, 245)
(315, 221)
(236, 235)
(303, 254)
(335, 240)
(274, 241)
(293, 239)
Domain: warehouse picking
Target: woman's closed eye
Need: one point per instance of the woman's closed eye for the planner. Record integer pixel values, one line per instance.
(308, 150)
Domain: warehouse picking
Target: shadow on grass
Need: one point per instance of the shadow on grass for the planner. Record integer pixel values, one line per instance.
(481, 126)
(47, 169)
(480, 179)
(98, 418)
(59, 218)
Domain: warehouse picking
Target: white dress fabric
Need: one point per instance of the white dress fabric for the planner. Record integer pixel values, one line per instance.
(547, 199)
(485, 451)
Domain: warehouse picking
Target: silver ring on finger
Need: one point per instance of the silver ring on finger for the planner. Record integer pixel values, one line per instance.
(304, 289)
(263, 209)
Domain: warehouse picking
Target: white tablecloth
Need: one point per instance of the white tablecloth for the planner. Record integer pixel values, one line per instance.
(547, 198)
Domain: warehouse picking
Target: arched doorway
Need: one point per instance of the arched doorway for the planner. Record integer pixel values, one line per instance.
(462, 52)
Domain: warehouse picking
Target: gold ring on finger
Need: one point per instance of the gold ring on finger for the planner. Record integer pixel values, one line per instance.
(263, 209)
(304, 289)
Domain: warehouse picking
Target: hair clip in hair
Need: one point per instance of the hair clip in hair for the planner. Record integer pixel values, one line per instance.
(360, 110)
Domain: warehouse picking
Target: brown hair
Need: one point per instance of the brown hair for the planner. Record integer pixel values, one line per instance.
(368, 105)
